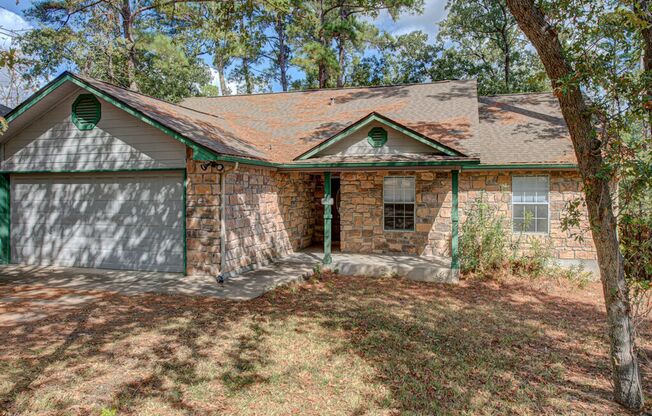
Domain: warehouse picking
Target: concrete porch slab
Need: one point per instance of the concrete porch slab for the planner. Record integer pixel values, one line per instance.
(418, 268)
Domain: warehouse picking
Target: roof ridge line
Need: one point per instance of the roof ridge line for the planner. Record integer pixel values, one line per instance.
(517, 93)
(411, 84)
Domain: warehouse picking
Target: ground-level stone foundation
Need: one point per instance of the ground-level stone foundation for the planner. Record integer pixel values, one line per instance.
(269, 214)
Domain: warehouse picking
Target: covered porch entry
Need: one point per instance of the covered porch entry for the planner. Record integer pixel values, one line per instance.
(380, 222)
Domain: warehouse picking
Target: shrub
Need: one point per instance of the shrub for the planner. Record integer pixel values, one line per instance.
(487, 247)
(483, 239)
(535, 260)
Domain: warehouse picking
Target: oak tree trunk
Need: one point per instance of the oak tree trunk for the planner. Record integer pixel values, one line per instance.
(625, 369)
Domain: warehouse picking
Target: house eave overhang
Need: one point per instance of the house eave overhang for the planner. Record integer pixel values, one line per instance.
(381, 165)
(523, 166)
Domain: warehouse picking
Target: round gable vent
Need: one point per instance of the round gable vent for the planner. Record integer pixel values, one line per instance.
(86, 112)
(377, 137)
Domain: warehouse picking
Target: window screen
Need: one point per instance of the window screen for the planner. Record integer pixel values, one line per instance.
(398, 199)
(530, 207)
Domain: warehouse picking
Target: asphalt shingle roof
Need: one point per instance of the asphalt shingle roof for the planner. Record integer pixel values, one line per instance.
(286, 125)
(279, 127)
(522, 129)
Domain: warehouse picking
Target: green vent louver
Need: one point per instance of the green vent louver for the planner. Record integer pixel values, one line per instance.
(86, 112)
(377, 137)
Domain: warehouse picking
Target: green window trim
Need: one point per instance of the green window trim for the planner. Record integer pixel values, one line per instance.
(86, 112)
(377, 137)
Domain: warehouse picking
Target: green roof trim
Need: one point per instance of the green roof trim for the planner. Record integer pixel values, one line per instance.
(226, 158)
(524, 166)
(86, 112)
(386, 122)
(376, 164)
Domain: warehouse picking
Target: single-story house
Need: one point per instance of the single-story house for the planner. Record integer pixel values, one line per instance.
(94, 175)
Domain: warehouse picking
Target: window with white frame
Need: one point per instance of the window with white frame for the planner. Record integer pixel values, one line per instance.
(530, 204)
(398, 203)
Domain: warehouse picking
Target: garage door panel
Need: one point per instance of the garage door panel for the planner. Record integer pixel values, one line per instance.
(122, 221)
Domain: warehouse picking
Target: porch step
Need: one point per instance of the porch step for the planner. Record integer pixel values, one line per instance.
(422, 269)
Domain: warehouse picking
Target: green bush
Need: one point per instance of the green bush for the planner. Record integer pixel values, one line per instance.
(483, 239)
(535, 260)
(486, 248)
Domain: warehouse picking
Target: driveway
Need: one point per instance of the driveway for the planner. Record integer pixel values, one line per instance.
(242, 287)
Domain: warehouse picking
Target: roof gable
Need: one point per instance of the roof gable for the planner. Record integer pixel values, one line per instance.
(376, 119)
(192, 128)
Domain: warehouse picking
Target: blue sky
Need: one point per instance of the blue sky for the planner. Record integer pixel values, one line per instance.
(11, 19)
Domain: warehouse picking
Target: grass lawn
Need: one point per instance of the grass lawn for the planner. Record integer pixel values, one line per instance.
(343, 346)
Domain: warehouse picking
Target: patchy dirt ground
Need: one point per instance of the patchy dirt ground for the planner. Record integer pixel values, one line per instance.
(343, 346)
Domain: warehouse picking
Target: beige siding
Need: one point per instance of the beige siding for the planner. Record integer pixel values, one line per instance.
(119, 141)
(397, 143)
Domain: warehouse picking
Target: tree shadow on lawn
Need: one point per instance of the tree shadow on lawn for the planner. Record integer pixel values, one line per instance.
(476, 348)
(485, 349)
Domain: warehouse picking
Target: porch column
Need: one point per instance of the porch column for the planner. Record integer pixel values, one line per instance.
(328, 218)
(455, 219)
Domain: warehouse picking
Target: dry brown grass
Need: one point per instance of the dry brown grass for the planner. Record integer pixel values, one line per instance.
(343, 346)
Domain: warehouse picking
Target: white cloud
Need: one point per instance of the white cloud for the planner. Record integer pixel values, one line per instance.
(433, 13)
(11, 24)
(232, 86)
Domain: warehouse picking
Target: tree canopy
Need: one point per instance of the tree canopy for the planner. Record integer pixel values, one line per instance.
(170, 49)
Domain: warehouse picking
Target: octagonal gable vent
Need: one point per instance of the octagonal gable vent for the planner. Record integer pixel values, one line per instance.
(86, 112)
(377, 137)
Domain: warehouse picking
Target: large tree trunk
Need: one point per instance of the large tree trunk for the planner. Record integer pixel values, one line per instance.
(625, 370)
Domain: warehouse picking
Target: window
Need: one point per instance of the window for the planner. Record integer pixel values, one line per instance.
(86, 112)
(398, 203)
(530, 211)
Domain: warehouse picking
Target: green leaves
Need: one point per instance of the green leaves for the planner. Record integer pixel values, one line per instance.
(480, 39)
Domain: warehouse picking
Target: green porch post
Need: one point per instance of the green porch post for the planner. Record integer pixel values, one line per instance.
(455, 219)
(5, 254)
(328, 218)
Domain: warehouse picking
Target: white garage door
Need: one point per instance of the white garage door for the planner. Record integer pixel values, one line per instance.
(131, 221)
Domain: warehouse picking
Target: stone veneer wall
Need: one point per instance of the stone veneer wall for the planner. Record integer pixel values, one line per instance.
(361, 214)
(269, 214)
(564, 186)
